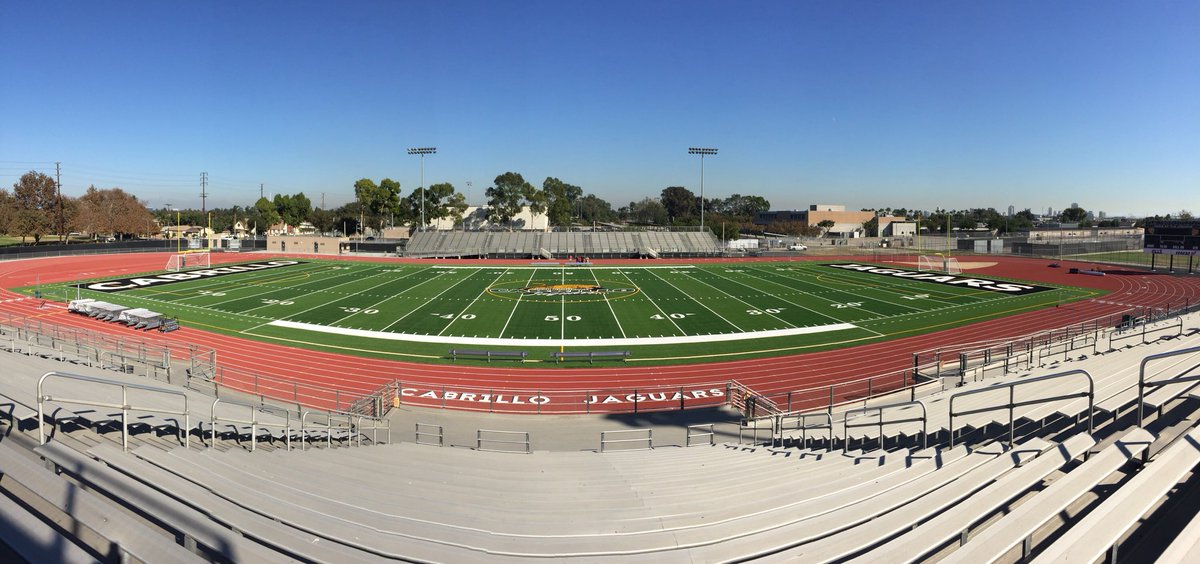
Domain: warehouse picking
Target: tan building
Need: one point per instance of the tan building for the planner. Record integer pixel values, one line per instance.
(845, 222)
(306, 244)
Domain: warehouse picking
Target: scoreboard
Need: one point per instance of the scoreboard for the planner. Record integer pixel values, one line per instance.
(1173, 238)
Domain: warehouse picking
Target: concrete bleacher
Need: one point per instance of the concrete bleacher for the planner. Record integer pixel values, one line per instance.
(601, 244)
(1058, 493)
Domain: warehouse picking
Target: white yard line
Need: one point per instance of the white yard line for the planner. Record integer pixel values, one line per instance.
(752, 306)
(586, 342)
(856, 296)
(608, 302)
(464, 310)
(439, 294)
(886, 288)
(325, 304)
(700, 303)
(654, 303)
(517, 305)
(224, 283)
(376, 304)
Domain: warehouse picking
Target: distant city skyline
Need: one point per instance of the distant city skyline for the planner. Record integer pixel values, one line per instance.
(933, 105)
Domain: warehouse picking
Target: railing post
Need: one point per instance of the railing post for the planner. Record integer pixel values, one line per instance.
(635, 400)
(789, 402)
(124, 419)
(681, 402)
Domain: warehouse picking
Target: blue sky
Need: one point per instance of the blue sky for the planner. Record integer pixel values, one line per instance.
(901, 104)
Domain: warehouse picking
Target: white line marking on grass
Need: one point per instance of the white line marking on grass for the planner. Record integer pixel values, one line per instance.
(817, 283)
(731, 324)
(376, 304)
(430, 300)
(565, 266)
(584, 342)
(752, 306)
(516, 305)
(464, 310)
(608, 302)
(653, 303)
(271, 289)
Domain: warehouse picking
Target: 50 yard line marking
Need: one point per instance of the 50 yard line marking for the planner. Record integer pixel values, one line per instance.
(610, 307)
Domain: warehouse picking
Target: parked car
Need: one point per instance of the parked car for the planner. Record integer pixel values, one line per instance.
(797, 247)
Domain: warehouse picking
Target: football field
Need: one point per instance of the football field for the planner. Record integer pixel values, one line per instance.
(661, 313)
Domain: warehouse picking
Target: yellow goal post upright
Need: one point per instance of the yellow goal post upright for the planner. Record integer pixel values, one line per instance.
(189, 259)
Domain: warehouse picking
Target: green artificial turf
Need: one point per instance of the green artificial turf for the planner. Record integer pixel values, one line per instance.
(465, 302)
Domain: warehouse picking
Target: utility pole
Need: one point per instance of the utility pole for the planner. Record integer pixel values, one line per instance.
(203, 193)
(58, 185)
(322, 200)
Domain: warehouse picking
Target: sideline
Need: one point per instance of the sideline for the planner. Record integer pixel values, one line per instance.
(614, 342)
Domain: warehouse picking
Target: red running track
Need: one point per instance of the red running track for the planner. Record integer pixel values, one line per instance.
(328, 380)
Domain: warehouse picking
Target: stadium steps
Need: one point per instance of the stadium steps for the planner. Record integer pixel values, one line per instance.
(84, 514)
(266, 494)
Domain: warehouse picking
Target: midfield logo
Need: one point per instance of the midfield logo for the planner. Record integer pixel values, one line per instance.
(947, 279)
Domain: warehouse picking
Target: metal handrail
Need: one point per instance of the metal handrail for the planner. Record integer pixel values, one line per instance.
(712, 437)
(124, 406)
(802, 419)
(1012, 404)
(924, 419)
(253, 421)
(480, 440)
(1177, 379)
(1177, 325)
(648, 439)
(329, 427)
(775, 420)
(374, 427)
(441, 437)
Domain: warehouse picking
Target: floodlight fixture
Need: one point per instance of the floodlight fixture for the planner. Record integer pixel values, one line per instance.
(422, 151)
(702, 151)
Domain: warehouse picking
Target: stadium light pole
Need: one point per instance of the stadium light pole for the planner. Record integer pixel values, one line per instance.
(422, 151)
(701, 151)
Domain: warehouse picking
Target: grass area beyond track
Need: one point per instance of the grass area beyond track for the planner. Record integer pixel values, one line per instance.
(662, 314)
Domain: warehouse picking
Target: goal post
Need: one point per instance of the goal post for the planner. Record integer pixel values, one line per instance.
(926, 263)
(952, 266)
(188, 259)
(938, 263)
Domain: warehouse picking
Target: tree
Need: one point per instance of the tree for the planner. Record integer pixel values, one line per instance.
(441, 202)
(35, 200)
(561, 198)
(871, 226)
(595, 209)
(825, 225)
(265, 215)
(8, 209)
(323, 220)
(378, 201)
(509, 194)
(1072, 214)
(648, 211)
(113, 211)
(681, 204)
(390, 193)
